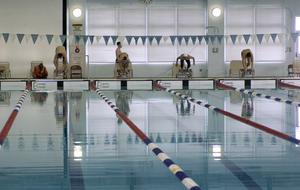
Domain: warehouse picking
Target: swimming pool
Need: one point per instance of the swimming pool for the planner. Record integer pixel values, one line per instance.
(74, 140)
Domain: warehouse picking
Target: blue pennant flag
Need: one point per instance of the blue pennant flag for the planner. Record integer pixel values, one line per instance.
(34, 37)
(233, 38)
(200, 38)
(114, 39)
(294, 36)
(186, 39)
(20, 37)
(173, 39)
(259, 37)
(206, 38)
(246, 38)
(63, 38)
(150, 39)
(158, 39)
(212, 39)
(143, 39)
(5, 36)
(77, 39)
(136, 38)
(220, 38)
(85, 39)
(129, 38)
(49, 38)
(106, 38)
(273, 36)
(91, 39)
(194, 38)
(179, 38)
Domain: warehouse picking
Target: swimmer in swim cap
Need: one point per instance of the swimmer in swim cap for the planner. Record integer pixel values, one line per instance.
(185, 57)
(247, 59)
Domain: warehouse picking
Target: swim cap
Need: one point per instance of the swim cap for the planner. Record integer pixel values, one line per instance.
(185, 55)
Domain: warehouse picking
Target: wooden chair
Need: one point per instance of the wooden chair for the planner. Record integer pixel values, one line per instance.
(5, 70)
(235, 67)
(296, 67)
(76, 71)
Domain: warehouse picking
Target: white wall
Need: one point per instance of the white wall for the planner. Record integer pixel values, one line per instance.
(29, 17)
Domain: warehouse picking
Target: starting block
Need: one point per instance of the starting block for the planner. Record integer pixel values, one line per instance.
(60, 75)
(118, 74)
(247, 73)
(184, 73)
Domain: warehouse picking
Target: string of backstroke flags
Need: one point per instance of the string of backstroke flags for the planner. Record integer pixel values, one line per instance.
(83, 39)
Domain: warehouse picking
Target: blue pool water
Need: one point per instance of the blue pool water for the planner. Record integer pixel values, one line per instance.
(74, 140)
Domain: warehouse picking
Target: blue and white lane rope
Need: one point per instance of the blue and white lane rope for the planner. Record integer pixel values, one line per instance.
(175, 169)
(233, 116)
(4, 132)
(259, 94)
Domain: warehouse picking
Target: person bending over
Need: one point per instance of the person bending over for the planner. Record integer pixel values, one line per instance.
(123, 61)
(185, 57)
(247, 59)
(60, 57)
(40, 72)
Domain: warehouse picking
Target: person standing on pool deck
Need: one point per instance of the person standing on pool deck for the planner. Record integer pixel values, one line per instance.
(118, 51)
(185, 57)
(247, 59)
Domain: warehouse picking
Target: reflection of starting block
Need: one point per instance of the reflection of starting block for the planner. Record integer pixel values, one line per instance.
(181, 74)
(248, 73)
(119, 74)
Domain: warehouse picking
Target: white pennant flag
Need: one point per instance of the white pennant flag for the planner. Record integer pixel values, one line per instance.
(70, 38)
(166, 38)
(13, 37)
(56, 38)
(253, 37)
(240, 37)
(287, 35)
(42, 37)
(226, 38)
(267, 37)
(98, 38)
(121, 39)
(280, 36)
(27, 37)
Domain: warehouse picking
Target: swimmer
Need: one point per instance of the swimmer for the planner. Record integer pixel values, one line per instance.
(247, 59)
(185, 57)
(118, 51)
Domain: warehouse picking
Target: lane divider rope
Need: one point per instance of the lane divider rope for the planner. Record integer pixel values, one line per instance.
(259, 94)
(228, 114)
(288, 85)
(175, 169)
(13, 115)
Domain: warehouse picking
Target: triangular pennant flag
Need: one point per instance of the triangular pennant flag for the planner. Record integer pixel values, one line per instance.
(294, 36)
(150, 39)
(280, 37)
(63, 38)
(226, 38)
(77, 39)
(253, 37)
(246, 38)
(20, 37)
(42, 37)
(212, 39)
(27, 37)
(273, 36)
(179, 39)
(239, 37)
(158, 39)
(267, 37)
(200, 38)
(5, 36)
(129, 38)
(34, 37)
(288, 35)
(85, 39)
(136, 38)
(186, 39)
(259, 37)
(173, 39)
(166, 38)
(71, 38)
(206, 38)
(121, 39)
(98, 38)
(106, 38)
(193, 38)
(114, 39)
(143, 39)
(220, 38)
(91, 39)
(233, 38)
(13, 37)
(55, 38)
(49, 38)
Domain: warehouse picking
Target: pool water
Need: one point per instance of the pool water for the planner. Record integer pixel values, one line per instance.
(74, 140)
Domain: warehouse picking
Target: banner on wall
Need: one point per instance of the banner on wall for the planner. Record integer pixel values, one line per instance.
(78, 38)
